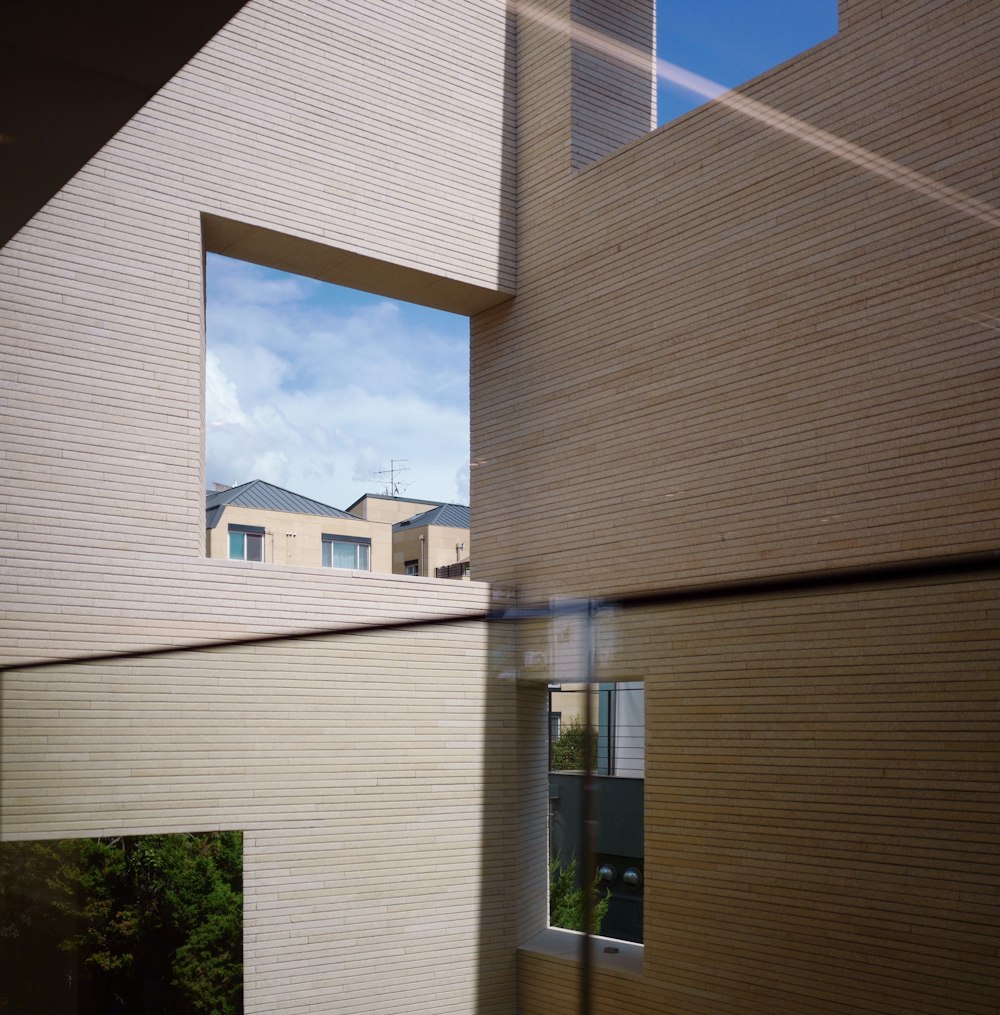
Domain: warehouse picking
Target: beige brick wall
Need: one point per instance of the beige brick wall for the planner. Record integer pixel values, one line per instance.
(355, 769)
(614, 100)
(733, 352)
(736, 354)
(820, 789)
(354, 142)
(102, 296)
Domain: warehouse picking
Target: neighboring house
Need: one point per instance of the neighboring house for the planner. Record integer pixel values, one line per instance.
(258, 521)
(435, 543)
(618, 716)
(380, 507)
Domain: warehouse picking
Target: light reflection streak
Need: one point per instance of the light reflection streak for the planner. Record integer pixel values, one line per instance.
(840, 148)
(990, 321)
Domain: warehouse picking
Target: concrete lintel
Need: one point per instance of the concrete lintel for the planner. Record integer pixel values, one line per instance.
(345, 267)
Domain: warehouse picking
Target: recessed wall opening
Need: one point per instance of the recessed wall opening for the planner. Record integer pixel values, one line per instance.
(704, 49)
(732, 41)
(147, 923)
(617, 736)
(337, 426)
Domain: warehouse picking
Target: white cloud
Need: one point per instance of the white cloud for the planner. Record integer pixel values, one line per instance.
(222, 401)
(315, 389)
(243, 284)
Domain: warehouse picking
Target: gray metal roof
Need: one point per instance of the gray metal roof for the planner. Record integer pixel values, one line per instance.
(455, 516)
(266, 497)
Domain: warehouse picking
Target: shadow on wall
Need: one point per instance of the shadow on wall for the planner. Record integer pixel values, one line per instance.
(73, 74)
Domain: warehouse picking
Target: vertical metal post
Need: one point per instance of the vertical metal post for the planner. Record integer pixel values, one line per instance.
(588, 817)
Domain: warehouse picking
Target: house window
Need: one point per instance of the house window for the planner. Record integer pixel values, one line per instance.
(353, 552)
(246, 542)
(411, 567)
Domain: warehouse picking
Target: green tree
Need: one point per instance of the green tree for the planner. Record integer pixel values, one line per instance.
(203, 893)
(148, 924)
(566, 898)
(36, 913)
(568, 749)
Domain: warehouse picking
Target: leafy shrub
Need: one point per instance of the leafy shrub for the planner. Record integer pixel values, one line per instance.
(568, 749)
(566, 899)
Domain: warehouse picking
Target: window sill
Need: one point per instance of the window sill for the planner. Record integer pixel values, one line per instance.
(564, 945)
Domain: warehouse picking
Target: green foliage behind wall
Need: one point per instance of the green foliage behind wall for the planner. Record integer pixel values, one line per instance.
(150, 924)
(566, 898)
(568, 749)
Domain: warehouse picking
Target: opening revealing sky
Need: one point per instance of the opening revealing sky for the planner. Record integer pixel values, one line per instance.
(317, 388)
(732, 41)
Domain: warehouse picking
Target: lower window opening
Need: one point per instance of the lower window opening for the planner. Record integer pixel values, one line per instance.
(617, 740)
(146, 923)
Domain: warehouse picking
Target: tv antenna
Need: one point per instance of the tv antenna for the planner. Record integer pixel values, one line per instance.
(389, 478)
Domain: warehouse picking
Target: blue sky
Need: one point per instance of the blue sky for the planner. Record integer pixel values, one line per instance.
(732, 41)
(316, 388)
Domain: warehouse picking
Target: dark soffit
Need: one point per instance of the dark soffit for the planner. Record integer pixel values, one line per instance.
(73, 73)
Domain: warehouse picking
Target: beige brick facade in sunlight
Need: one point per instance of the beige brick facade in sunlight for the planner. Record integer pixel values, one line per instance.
(730, 348)
(736, 353)
(356, 772)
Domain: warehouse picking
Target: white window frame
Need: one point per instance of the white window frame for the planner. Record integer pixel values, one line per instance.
(254, 531)
(362, 546)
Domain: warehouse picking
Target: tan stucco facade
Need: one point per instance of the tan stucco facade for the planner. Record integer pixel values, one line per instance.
(297, 539)
(758, 341)
(430, 546)
(377, 508)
